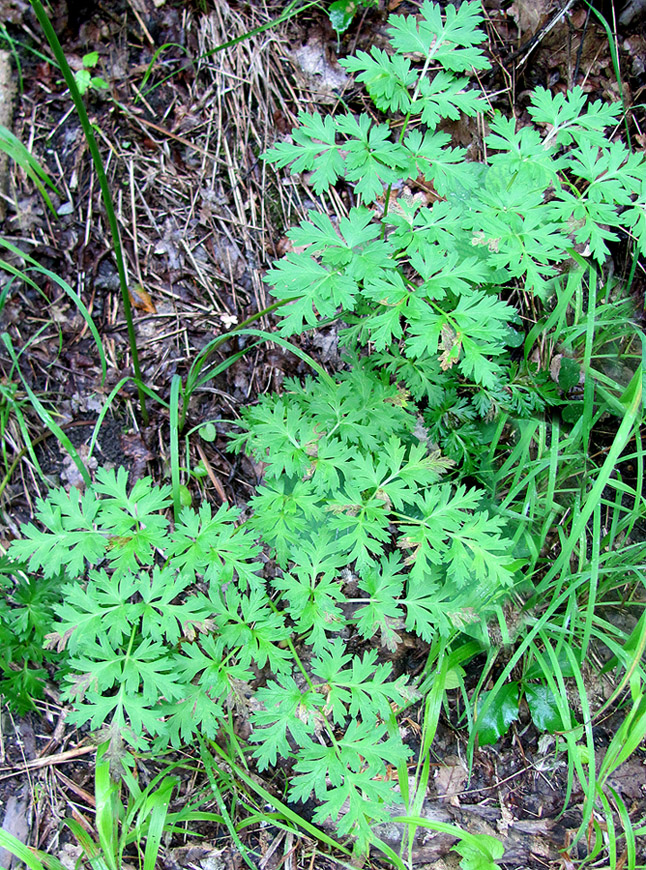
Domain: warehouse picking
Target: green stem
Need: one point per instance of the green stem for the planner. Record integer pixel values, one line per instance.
(70, 81)
(174, 445)
(289, 12)
(312, 688)
(256, 316)
(427, 63)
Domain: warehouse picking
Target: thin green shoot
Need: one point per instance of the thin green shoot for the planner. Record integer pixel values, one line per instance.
(70, 80)
(108, 810)
(594, 563)
(11, 42)
(193, 380)
(89, 847)
(212, 773)
(103, 412)
(628, 830)
(282, 808)
(174, 444)
(34, 266)
(11, 145)
(295, 7)
(25, 47)
(413, 796)
(46, 417)
(632, 401)
(616, 66)
(27, 450)
(158, 52)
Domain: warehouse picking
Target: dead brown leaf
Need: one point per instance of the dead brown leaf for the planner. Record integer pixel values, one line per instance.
(141, 299)
(529, 14)
(450, 778)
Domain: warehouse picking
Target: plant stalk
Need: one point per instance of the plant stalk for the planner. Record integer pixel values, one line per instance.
(79, 105)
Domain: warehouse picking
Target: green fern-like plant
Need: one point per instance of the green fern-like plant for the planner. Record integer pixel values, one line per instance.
(26, 614)
(426, 281)
(161, 630)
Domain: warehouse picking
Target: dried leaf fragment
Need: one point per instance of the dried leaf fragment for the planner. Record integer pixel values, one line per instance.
(141, 299)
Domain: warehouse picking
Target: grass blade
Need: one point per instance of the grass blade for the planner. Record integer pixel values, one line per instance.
(11, 145)
(47, 418)
(78, 302)
(632, 401)
(158, 804)
(19, 850)
(79, 105)
(174, 444)
(107, 810)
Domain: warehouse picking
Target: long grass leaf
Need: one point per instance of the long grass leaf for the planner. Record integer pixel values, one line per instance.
(629, 833)
(47, 418)
(633, 404)
(282, 808)
(65, 287)
(11, 145)
(17, 847)
(158, 805)
(102, 414)
(106, 195)
(107, 809)
(90, 848)
(594, 559)
(590, 786)
(626, 739)
(488, 846)
(174, 444)
(610, 833)
(211, 768)
(4, 34)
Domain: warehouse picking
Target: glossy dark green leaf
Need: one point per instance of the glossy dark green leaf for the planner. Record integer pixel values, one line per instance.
(495, 721)
(208, 432)
(341, 13)
(569, 374)
(543, 708)
(572, 412)
(481, 855)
